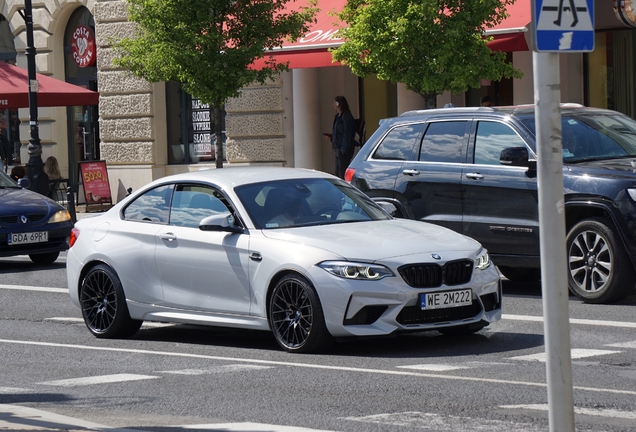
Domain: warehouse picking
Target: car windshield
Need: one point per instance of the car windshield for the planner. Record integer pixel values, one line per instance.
(6, 181)
(306, 202)
(594, 136)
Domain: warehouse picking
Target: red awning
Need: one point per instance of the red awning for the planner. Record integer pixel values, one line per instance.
(311, 51)
(14, 92)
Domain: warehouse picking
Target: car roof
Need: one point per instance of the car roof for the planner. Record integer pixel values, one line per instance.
(236, 176)
(513, 110)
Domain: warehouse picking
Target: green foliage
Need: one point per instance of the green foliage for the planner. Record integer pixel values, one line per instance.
(208, 45)
(431, 46)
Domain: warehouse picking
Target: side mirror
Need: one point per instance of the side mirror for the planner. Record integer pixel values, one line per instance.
(24, 183)
(517, 156)
(221, 222)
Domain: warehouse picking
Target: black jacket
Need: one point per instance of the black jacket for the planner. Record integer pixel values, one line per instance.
(344, 132)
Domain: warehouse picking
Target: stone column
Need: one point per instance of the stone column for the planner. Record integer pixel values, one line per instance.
(307, 132)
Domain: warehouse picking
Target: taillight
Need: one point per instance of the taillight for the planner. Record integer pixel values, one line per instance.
(349, 174)
(74, 235)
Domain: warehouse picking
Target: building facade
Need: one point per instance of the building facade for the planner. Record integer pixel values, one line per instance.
(145, 131)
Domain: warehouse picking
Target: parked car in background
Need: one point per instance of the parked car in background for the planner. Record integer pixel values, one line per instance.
(31, 224)
(297, 252)
(473, 170)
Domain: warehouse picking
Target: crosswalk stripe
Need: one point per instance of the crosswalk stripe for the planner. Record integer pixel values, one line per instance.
(599, 412)
(435, 367)
(574, 354)
(623, 345)
(103, 379)
(33, 288)
(597, 323)
(216, 370)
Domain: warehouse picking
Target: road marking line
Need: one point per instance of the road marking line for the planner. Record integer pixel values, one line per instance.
(17, 417)
(596, 323)
(623, 345)
(247, 427)
(103, 379)
(434, 367)
(148, 324)
(32, 288)
(574, 354)
(219, 369)
(444, 423)
(599, 412)
(13, 390)
(310, 366)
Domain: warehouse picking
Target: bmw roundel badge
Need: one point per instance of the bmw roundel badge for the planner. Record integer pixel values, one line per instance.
(437, 257)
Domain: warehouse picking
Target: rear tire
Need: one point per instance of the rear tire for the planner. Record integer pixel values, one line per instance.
(296, 317)
(599, 270)
(45, 258)
(521, 274)
(104, 304)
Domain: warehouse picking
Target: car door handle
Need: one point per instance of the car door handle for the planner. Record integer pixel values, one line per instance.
(255, 256)
(411, 172)
(168, 236)
(474, 176)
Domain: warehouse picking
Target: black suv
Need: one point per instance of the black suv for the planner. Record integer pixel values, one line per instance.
(474, 170)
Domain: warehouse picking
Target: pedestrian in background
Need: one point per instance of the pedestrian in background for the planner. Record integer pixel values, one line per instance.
(17, 172)
(51, 168)
(342, 135)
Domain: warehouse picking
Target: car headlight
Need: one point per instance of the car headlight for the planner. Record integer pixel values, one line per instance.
(355, 270)
(482, 262)
(60, 216)
(632, 193)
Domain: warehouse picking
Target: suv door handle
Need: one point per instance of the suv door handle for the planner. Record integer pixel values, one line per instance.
(411, 172)
(474, 176)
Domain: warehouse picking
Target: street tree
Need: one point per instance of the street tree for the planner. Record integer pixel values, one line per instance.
(431, 46)
(209, 46)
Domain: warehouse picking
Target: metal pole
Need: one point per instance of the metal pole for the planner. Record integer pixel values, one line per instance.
(547, 95)
(35, 166)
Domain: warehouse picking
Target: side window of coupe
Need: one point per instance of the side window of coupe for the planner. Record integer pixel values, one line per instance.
(152, 206)
(192, 203)
(399, 143)
(444, 142)
(491, 139)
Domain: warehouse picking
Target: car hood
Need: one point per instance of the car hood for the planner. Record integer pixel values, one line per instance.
(378, 240)
(605, 168)
(13, 201)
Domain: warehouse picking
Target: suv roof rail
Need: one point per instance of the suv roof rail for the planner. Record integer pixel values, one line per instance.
(445, 109)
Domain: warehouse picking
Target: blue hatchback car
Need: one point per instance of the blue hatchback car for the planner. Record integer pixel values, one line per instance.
(31, 224)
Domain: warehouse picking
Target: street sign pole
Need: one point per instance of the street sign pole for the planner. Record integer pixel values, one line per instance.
(554, 282)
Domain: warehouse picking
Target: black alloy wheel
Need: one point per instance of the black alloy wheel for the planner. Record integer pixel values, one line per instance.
(296, 316)
(104, 304)
(599, 270)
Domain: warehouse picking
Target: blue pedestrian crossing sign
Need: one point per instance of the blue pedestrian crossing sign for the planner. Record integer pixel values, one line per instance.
(563, 25)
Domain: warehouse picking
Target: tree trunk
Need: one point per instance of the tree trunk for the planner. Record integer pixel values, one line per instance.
(218, 132)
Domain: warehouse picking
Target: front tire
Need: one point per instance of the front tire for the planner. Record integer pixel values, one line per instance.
(44, 258)
(104, 304)
(296, 316)
(599, 270)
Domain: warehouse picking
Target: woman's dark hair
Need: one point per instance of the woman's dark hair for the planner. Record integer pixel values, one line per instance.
(342, 103)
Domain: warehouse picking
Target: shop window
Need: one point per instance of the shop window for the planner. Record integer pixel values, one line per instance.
(191, 137)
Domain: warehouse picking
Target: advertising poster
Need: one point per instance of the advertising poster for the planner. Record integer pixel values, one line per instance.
(201, 146)
(94, 177)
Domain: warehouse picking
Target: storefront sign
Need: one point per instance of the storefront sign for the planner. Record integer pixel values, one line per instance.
(201, 145)
(95, 180)
(83, 46)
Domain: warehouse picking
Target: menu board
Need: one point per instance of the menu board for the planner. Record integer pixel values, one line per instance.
(201, 146)
(95, 180)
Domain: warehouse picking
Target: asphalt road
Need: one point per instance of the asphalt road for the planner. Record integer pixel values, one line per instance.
(56, 376)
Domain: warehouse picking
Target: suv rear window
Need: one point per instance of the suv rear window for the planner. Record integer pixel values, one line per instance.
(443, 142)
(400, 142)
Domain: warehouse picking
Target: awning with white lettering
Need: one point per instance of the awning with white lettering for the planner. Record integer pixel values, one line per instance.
(311, 51)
